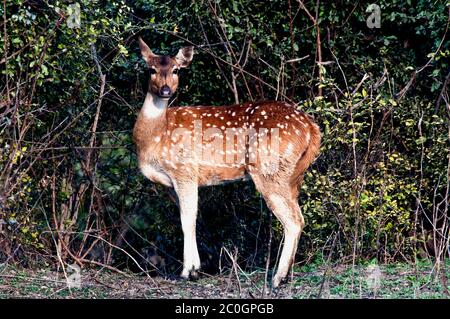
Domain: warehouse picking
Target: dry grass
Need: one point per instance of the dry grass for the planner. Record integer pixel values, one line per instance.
(342, 281)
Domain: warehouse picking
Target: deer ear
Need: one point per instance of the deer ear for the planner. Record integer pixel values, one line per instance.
(184, 56)
(147, 54)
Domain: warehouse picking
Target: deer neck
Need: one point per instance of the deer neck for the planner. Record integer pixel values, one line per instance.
(151, 123)
(154, 107)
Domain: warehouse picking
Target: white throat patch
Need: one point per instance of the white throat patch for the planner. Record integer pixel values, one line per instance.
(154, 106)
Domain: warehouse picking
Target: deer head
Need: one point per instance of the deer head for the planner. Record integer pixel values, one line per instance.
(164, 69)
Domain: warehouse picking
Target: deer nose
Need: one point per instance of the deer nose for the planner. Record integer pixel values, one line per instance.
(165, 91)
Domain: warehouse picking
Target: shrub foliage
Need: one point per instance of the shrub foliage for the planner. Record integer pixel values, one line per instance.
(69, 185)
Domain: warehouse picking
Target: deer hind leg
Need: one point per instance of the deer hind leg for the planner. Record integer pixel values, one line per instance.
(289, 213)
(188, 202)
(284, 205)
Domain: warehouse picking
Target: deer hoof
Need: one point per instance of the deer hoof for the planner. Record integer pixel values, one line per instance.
(191, 274)
(277, 281)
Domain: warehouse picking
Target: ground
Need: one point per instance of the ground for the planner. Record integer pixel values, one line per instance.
(312, 281)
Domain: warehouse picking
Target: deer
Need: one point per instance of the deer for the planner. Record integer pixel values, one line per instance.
(187, 147)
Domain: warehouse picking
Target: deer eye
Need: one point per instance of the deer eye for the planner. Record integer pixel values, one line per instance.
(152, 71)
(175, 71)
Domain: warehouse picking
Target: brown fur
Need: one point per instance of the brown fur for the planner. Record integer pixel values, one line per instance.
(303, 153)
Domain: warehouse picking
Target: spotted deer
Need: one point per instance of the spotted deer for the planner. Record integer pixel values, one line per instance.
(188, 147)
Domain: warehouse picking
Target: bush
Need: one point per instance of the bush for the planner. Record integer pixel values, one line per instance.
(70, 187)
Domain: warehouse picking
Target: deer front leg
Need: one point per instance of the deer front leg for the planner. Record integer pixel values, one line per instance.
(188, 202)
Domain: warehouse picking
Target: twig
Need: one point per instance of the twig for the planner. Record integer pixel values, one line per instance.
(234, 264)
(5, 49)
(99, 104)
(318, 42)
(269, 245)
(297, 59)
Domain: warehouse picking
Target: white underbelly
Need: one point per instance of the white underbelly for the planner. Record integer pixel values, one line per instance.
(155, 174)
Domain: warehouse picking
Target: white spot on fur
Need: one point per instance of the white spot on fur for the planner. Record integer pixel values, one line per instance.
(289, 149)
(308, 137)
